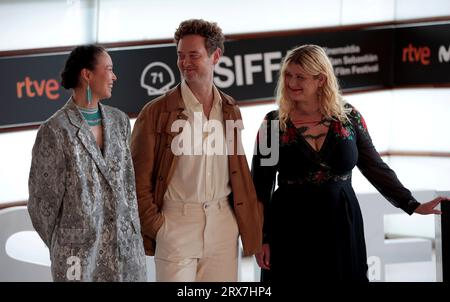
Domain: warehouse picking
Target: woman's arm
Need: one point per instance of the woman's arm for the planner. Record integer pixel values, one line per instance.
(46, 183)
(377, 171)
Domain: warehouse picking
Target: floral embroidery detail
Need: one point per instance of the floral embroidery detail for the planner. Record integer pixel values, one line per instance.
(289, 136)
(361, 123)
(357, 119)
(342, 130)
(317, 178)
(323, 176)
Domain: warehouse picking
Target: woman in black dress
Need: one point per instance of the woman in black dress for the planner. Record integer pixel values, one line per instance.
(319, 139)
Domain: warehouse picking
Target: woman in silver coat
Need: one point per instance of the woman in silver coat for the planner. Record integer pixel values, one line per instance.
(82, 189)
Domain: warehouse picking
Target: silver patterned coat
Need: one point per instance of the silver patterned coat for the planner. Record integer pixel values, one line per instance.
(82, 202)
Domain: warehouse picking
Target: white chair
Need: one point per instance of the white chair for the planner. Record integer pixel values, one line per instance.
(381, 251)
(23, 255)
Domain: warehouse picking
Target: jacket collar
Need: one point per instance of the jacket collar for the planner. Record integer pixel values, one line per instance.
(87, 138)
(175, 101)
(227, 105)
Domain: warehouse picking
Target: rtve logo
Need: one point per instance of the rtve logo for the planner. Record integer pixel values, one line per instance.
(32, 88)
(414, 54)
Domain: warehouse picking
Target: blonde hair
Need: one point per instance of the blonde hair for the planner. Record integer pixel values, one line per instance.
(314, 61)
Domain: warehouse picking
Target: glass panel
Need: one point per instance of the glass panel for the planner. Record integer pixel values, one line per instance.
(37, 24)
(140, 20)
(367, 11)
(410, 9)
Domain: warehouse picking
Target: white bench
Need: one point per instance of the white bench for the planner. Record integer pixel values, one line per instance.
(381, 251)
(23, 255)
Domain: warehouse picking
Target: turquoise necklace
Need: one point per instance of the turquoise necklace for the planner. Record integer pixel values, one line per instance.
(91, 115)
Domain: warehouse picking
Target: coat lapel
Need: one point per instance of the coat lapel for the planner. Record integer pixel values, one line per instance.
(107, 122)
(175, 112)
(86, 137)
(227, 107)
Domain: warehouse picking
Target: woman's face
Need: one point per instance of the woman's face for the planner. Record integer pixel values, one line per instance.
(102, 77)
(301, 86)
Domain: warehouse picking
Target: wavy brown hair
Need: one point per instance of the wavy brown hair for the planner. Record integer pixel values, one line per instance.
(212, 33)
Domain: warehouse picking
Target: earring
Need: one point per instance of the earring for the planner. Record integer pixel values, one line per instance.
(89, 94)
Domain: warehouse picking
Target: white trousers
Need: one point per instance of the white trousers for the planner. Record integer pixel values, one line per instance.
(197, 242)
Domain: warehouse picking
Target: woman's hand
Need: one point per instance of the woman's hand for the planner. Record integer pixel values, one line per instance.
(263, 257)
(429, 207)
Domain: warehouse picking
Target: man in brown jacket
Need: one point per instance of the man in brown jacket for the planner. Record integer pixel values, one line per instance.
(195, 192)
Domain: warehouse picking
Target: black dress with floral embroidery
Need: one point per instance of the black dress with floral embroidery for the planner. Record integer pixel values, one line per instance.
(313, 221)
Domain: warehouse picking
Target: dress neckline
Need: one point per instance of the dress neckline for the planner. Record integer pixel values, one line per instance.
(309, 146)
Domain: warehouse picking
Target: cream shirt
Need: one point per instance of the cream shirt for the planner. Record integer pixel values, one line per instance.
(201, 174)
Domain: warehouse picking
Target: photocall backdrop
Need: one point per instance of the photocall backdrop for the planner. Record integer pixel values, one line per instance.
(378, 57)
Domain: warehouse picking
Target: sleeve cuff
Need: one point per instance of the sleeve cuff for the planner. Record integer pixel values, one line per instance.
(411, 206)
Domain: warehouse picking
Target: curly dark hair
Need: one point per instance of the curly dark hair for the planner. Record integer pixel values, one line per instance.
(80, 57)
(212, 33)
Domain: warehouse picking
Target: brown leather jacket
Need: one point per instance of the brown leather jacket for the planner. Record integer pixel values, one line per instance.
(154, 164)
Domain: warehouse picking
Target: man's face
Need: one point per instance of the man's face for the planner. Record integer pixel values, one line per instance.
(194, 63)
